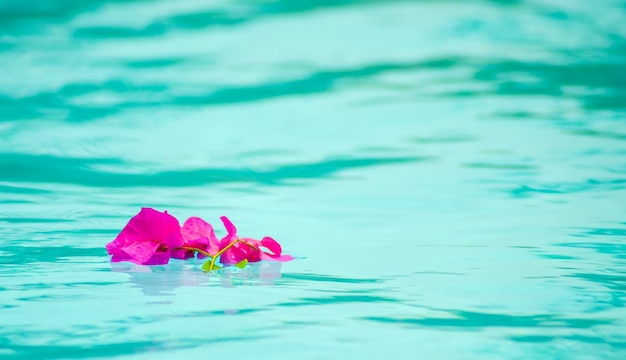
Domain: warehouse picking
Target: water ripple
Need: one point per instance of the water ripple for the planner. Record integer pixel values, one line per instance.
(79, 171)
(464, 320)
(452, 173)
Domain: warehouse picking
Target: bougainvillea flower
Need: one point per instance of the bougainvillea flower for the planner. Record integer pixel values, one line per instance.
(199, 234)
(248, 249)
(149, 238)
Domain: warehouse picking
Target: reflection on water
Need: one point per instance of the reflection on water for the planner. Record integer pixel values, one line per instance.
(450, 175)
(163, 280)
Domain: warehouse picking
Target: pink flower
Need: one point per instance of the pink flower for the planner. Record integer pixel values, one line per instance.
(150, 238)
(199, 234)
(248, 249)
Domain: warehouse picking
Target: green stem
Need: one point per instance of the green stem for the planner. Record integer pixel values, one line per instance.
(214, 257)
(223, 251)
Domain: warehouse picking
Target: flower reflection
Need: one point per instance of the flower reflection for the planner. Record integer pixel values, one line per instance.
(262, 273)
(165, 279)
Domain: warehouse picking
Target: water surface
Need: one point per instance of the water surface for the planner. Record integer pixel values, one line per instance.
(451, 176)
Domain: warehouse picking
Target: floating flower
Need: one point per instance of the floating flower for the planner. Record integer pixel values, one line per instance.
(150, 238)
(247, 248)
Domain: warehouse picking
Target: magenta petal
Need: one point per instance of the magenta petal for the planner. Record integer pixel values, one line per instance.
(182, 254)
(204, 244)
(146, 233)
(159, 258)
(195, 228)
(200, 243)
(232, 230)
(120, 256)
(272, 245)
(121, 239)
(280, 258)
(238, 252)
(157, 226)
(233, 255)
(141, 252)
(174, 240)
(200, 234)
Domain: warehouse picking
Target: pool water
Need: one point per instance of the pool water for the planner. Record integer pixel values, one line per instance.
(450, 175)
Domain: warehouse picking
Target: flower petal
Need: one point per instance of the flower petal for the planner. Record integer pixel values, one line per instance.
(195, 228)
(280, 258)
(175, 240)
(234, 255)
(157, 226)
(141, 252)
(182, 254)
(200, 234)
(272, 245)
(232, 230)
(159, 258)
(120, 256)
(146, 233)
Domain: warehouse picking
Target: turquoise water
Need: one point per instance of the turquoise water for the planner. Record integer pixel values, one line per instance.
(451, 176)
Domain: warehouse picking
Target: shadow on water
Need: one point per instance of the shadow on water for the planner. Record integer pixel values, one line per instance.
(20, 255)
(610, 242)
(604, 82)
(9, 350)
(465, 320)
(338, 300)
(604, 87)
(617, 250)
(22, 190)
(613, 241)
(60, 102)
(614, 284)
(575, 338)
(294, 277)
(79, 171)
(244, 13)
(598, 134)
(605, 231)
(13, 12)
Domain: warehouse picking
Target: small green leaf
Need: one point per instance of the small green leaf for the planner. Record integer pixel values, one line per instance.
(242, 264)
(207, 266)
